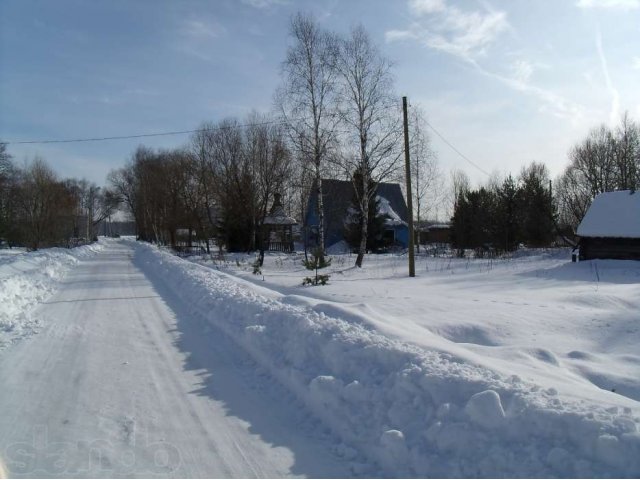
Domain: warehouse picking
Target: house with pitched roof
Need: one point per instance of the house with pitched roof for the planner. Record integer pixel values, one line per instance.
(337, 196)
(611, 227)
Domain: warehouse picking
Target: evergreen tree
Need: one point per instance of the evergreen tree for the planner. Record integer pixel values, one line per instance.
(474, 219)
(507, 228)
(536, 206)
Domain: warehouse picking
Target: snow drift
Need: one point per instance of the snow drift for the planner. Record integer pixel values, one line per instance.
(412, 411)
(27, 279)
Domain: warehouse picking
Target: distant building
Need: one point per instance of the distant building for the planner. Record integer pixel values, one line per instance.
(611, 227)
(431, 232)
(278, 228)
(337, 196)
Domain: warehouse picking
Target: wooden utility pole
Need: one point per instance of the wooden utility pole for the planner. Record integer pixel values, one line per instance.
(412, 260)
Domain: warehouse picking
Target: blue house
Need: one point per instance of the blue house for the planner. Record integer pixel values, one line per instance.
(337, 196)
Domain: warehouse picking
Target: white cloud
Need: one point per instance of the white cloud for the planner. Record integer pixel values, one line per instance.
(466, 34)
(264, 3)
(613, 4)
(551, 102)
(397, 35)
(423, 7)
(195, 36)
(522, 70)
(615, 96)
(636, 63)
(201, 29)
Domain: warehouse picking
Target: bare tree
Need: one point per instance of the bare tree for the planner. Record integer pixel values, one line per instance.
(371, 116)
(123, 184)
(5, 159)
(425, 173)
(202, 146)
(593, 158)
(460, 184)
(626, 153)
(7, 177)
(307, 99)
(137, 186)
(270, 161)
(94, 204)
(42, 204)
(606, 160)
(572, 196)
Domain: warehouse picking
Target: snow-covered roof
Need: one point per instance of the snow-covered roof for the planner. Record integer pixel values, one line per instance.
(439, 226)
(385, 208)
(277, 215)
(613, 215)
(279, 220)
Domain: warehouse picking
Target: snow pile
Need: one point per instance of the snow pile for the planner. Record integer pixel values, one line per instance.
(27, 279)
(413, 411)
(338, 248)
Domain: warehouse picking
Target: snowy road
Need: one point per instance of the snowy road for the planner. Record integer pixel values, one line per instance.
(122, 382)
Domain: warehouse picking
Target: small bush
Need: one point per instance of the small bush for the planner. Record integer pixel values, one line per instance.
(316, 262)
(317, 280)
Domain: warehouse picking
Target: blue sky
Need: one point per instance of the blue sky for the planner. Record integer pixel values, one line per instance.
(506, 82)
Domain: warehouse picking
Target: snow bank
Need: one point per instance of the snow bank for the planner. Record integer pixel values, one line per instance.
(28, 278)
(412, 411)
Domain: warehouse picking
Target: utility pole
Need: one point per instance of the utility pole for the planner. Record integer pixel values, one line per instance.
(412, 260)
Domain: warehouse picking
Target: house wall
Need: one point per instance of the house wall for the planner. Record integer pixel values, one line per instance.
(609, 248)
(440, 235)
(402, 235)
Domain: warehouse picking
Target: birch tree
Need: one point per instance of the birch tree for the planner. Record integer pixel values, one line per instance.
(307, 100)
(370, 114)
(425, 173)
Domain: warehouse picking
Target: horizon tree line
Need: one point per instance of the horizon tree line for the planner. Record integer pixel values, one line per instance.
(38, 209)
(336, 115)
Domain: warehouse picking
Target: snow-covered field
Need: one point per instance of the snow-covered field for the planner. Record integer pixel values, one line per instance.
(522, 367)
(562, 324)
(552, 344)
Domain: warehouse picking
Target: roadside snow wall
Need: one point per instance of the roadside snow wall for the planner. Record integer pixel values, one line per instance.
(27, 279)
(411, 411)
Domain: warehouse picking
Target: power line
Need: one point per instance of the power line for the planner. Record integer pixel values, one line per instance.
(144, 135)
(456, 150)
(212, 129)
(160, 134)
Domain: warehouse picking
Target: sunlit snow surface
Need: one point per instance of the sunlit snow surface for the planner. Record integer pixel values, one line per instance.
(27, 278)
(555, 343)
(523, 367)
